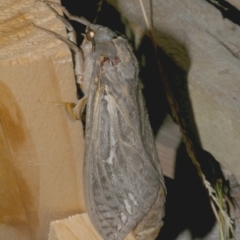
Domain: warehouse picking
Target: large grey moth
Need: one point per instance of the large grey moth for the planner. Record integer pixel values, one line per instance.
(123, 183)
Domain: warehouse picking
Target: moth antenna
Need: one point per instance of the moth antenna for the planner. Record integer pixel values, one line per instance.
(81, 20)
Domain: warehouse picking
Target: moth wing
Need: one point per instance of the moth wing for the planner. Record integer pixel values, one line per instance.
(122, 176)
(121, 182)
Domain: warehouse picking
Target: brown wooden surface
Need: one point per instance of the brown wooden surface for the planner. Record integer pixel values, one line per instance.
(41, 148)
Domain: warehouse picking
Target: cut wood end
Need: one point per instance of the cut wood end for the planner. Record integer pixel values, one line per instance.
(76, 227)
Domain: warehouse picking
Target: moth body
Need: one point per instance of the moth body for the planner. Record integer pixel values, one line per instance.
(124, 188)
(122, 174)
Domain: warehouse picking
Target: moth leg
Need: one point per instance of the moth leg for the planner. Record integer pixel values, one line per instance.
(72, 37)
(78, 54)
(71, 34)
(75, 110)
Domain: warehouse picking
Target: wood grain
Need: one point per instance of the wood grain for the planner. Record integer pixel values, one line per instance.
(41, 148)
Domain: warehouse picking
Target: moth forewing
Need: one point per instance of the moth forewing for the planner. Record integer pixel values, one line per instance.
(122, 174)
(123, 183)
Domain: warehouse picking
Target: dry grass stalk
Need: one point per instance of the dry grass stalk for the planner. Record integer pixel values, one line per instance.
(217, 197)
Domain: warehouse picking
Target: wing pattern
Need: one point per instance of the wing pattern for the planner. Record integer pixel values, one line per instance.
(122, 175)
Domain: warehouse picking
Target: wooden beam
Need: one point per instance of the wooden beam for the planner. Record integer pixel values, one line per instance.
(41, 148)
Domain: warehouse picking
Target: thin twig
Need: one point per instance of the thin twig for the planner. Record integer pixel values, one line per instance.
(145, 15)
(186, 139)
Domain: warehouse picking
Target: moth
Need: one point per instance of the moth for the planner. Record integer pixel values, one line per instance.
(124, 187)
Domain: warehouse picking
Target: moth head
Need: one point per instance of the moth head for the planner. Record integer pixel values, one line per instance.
(99, 34)
(90, 37)
(90, 34)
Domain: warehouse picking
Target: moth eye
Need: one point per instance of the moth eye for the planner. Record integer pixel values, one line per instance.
(90, 35)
